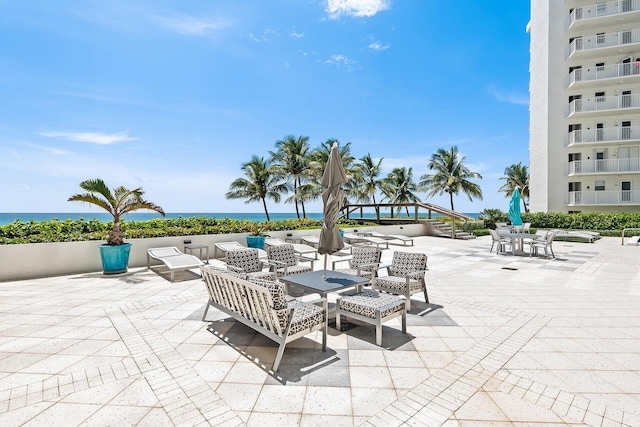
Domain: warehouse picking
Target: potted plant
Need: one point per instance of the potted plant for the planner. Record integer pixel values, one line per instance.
(120, 201)
(257, 235)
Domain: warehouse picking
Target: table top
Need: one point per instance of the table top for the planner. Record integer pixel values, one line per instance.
(519, 235)
(193, 246)
(314, 280)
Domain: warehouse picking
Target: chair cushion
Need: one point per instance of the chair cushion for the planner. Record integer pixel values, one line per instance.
(368, 302)
(276, 289)
(264, 275)
(365, 257)
(283, 253)
(306, 316)
(295, 269)
(398, 283)
(404, 263)
(246, 259)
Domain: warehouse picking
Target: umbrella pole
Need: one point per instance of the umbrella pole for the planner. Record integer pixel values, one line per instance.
(324, 273)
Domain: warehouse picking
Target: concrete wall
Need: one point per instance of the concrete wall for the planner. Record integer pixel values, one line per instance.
(34, 260)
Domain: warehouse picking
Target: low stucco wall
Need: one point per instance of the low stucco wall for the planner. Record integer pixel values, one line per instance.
(34, 260)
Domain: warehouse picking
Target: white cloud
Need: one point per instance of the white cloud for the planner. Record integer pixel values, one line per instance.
(357, 8)
(378, 46)
(296, 35)
(508, 97)
(191, 26)
(265, 36)
(91, 137)
(342, 61)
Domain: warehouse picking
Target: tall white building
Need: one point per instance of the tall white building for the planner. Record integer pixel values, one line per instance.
(584, 106)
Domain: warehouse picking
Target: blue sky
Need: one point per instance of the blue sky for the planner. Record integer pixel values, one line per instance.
(173, 96)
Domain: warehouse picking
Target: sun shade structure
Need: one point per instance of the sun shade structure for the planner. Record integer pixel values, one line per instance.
(332, 198)
(514, 208)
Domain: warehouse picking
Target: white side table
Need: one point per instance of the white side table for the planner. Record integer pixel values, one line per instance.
(190, 247)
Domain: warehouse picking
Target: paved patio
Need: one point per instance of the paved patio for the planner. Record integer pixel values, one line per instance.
(506, 341)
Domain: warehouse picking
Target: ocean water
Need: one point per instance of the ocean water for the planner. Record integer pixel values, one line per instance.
(9, 217)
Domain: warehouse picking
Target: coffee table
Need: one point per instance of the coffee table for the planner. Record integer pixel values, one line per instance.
(314, 282)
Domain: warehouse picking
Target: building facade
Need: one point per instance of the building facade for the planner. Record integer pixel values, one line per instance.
(584, 88)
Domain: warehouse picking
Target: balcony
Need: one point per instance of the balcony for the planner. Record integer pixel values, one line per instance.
(620, 135)
(603, 198)
(585, 167)
(622, 42)
(583, 76)
(601, 14)
(599, 104)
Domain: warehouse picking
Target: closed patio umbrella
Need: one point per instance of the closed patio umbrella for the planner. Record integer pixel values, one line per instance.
(332, 198)
(514, 208)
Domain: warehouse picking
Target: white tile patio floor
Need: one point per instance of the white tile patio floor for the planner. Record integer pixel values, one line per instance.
(506, 341)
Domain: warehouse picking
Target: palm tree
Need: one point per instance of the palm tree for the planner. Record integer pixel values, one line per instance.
(399, 187)
(366, 178)
(451, 176)
(118, 202)
(260, 184)
(517, 176)
(291, 162)
(318, 163)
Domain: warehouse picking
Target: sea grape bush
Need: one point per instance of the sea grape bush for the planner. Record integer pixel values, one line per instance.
(608, 224)
(80, 230)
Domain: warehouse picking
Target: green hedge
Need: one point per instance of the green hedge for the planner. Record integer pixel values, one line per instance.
(608, 224)
(80, 230)
(583, 221)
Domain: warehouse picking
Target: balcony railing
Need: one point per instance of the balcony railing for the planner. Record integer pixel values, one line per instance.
(614, 71)
(598, 41)
(603, 103)
(602, 9)
(606, 135)
(604, 166)
(623, 197)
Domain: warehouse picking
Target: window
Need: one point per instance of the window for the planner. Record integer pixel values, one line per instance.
(575, 164)
(601, 9)
(599, 131)
(626, 130)
(625, 66)
(600, 96)
(599, 186)
(575, 74)
(575, 192)
(600, 162)
(625, 186)
(575, 133)
(625, 99)
(600, 38)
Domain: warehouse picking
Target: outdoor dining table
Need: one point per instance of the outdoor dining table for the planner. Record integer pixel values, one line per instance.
(517, 240)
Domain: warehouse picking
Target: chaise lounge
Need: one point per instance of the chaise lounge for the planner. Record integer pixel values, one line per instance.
(173, 259)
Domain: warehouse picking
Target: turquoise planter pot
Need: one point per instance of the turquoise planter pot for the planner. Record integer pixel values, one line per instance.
(115, 259)
(256, 241)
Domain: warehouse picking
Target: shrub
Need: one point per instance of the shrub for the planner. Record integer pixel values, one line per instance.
(80, 230)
